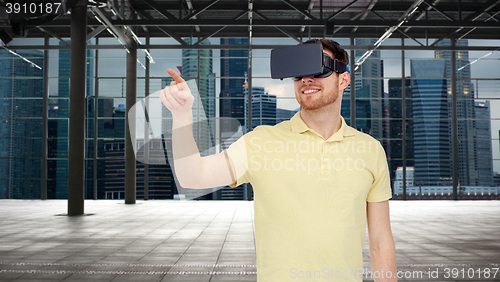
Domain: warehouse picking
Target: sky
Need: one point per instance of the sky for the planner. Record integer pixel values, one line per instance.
(112, 65)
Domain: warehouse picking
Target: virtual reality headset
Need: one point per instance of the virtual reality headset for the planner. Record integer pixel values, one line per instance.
(303, 60)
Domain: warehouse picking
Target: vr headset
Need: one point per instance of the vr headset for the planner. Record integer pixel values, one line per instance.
(303, 60)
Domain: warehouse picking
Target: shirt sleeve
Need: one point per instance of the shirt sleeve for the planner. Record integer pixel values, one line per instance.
(381, 187)
(239, 152)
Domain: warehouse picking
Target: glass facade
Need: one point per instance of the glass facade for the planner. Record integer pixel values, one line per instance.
(402, 98)
(21, 107)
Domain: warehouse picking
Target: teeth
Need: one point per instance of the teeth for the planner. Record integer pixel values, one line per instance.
(310, 91)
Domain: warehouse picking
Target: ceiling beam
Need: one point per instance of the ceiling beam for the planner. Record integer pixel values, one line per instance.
(341, 10)
(303, 12)
(368, 23)
(309, 9)
(96, 32)
(220, 29)
(52, 34)
(407, 15)
(163, 29)
(193, 15)
(259, 47)
(160, 10)
(471, 18)
(365, 14)
(190, 7)
(439, 11)
(116, 30)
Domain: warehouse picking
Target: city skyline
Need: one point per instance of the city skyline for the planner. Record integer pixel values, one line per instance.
(62, 76)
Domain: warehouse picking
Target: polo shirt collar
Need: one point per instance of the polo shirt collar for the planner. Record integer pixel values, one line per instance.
(298, 125)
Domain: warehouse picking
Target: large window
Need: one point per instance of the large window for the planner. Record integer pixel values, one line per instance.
(403, 99)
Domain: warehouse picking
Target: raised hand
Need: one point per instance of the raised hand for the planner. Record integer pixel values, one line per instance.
(177, 97)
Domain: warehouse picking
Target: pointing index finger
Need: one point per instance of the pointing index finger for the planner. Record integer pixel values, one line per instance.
(175, 76)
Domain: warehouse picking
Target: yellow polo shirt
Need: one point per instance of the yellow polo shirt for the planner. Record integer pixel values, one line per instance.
(310, 198)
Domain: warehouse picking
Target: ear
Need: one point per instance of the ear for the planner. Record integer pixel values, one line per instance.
(344, 80)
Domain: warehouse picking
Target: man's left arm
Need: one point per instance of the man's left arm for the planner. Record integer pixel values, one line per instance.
(382, 247)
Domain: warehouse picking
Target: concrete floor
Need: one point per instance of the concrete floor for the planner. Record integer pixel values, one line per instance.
(214, 241)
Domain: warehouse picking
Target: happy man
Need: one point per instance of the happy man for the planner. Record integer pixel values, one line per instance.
(313, 199)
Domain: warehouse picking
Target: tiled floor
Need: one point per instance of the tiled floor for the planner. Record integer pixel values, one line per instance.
(211, 240)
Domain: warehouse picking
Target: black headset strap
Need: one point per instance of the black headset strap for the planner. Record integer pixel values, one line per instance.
(334, 64)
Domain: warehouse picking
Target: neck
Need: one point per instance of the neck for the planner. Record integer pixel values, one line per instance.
(325, 121)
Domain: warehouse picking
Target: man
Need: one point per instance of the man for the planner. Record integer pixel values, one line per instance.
(317, 182)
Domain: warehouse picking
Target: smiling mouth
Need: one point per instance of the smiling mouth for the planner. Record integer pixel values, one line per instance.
(310, 91)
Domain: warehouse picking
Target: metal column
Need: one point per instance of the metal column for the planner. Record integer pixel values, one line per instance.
(403, 115)
(454, 133)
(96, 115)
(146, 128)
(353, 86)
(76, 167)
(131, 90)
(198, 101)
(45, 130)
(249, 76)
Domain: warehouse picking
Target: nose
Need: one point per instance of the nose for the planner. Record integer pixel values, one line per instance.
(307, 78)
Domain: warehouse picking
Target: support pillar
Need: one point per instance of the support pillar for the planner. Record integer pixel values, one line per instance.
(146, 129)
(77, 107)
(454, 132)
(45, 130)
(353, 85)
(249, 98)
(131, 90)
(403, 115)
(96, 112)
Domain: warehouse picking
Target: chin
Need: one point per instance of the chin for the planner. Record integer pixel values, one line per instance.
(315, 104)
(310, 106)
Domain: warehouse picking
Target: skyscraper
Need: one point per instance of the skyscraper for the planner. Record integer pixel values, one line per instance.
(234, 70)
(369, 92)
(484, 163)
(431, 121)
(20, 126)
(197, 64)
(58, 186)
(395, 148)
(363, 109)
(205, 106)
(197, 67)
(467, 153)
(263, 107)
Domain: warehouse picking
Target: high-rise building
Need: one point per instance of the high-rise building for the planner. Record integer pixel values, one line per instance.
(395, 145)
(205, 106)
(58, 186)
(398, 178)
(369, 93)
(263, 107)
(467, 153)
(496, 180)
(431, 121)
(484, 162)
(363, 109)
(197, 66)
(20, 126)
(234, 70)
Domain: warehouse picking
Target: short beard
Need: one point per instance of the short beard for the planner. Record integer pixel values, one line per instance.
(316, 104)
